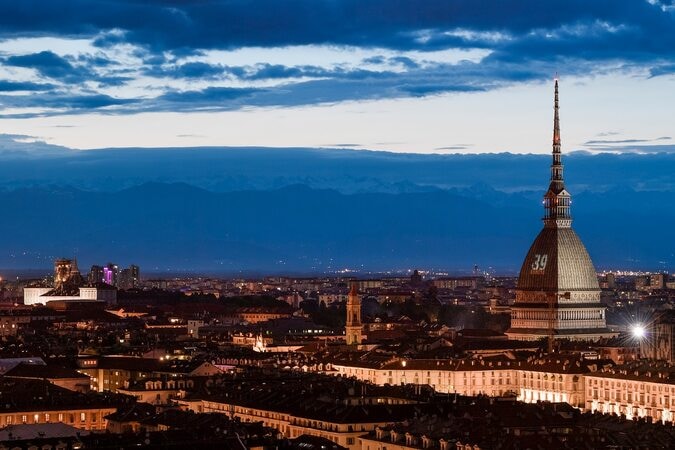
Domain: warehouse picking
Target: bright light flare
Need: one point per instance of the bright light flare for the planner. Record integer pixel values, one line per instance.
(638, 331)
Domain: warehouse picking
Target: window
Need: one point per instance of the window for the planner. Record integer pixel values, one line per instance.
(23, 418)
(60, 417)
(350, 441)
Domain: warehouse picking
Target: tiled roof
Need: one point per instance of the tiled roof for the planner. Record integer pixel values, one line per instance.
(24, 370)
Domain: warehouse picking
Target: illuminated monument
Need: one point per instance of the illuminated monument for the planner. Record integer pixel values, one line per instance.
(558, 295)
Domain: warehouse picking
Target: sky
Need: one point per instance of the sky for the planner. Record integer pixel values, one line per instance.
(434, 76)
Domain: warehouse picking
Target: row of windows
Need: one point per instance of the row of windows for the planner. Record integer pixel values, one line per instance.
(648, 387)
(49, 417)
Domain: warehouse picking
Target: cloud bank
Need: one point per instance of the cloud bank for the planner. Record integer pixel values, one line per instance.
(131, 56)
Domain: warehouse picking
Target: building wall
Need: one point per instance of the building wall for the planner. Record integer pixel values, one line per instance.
(9, 325)
(110, 379)
(193, 327)
(492, 381)
(391, 440)
(633, 398)
(91, 293)
(537, 386)
(589, 392)
(660, 342)
(85, 419)
(31, 295)
(344, 434)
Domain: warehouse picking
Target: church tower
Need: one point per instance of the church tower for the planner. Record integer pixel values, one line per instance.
(354, 329)
(558, 295)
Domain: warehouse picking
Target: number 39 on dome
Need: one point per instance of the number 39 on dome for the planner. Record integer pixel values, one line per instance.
(539, 263)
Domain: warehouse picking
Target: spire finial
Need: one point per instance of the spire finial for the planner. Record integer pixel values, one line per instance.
(557, 200)
(556, 118)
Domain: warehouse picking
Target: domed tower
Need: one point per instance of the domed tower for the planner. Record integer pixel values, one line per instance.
(558, 295)
(354, 328)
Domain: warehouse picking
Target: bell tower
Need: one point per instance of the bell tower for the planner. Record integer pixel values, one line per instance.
(354, 329)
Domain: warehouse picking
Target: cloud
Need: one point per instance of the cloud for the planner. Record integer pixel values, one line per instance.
(455, 147)
(14, 146)
(208, 96)
(616, 141)
(606, 27)
(639, 149)
(14, 86)
(427, 89)
(625, 141)
(158, 50)
(344, 145)
(640, 146)
(188, 70)
(663, 69)
(55, 103)
(48, 64)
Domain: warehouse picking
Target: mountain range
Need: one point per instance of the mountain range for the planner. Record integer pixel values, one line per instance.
(233, 210)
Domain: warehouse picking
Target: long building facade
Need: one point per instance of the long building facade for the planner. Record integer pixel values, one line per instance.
(635, 390)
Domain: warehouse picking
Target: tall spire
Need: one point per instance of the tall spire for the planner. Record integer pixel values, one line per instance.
(557, 200)
(556, 167)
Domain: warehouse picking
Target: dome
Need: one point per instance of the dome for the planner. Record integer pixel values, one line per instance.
(557, 261)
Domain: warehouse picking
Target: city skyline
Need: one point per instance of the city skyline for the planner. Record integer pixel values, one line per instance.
(337, 224)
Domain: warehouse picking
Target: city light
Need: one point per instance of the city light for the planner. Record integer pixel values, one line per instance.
(638, 331)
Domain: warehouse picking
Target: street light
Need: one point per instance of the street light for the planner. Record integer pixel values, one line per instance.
(638, 331)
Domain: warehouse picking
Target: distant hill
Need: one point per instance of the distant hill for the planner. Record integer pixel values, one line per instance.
(299, 209)
(180, 227)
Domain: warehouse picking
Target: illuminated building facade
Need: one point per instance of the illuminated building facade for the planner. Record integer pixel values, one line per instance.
(633, 391)
(590, 385)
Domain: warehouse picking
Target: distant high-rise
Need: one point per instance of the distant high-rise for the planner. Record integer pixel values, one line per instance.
(354, 328)
(128, 278)
(110, 273)
(558, 294)
(95, 275)
(135, 275)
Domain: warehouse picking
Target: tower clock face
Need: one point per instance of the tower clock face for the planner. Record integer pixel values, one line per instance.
(539, 263)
